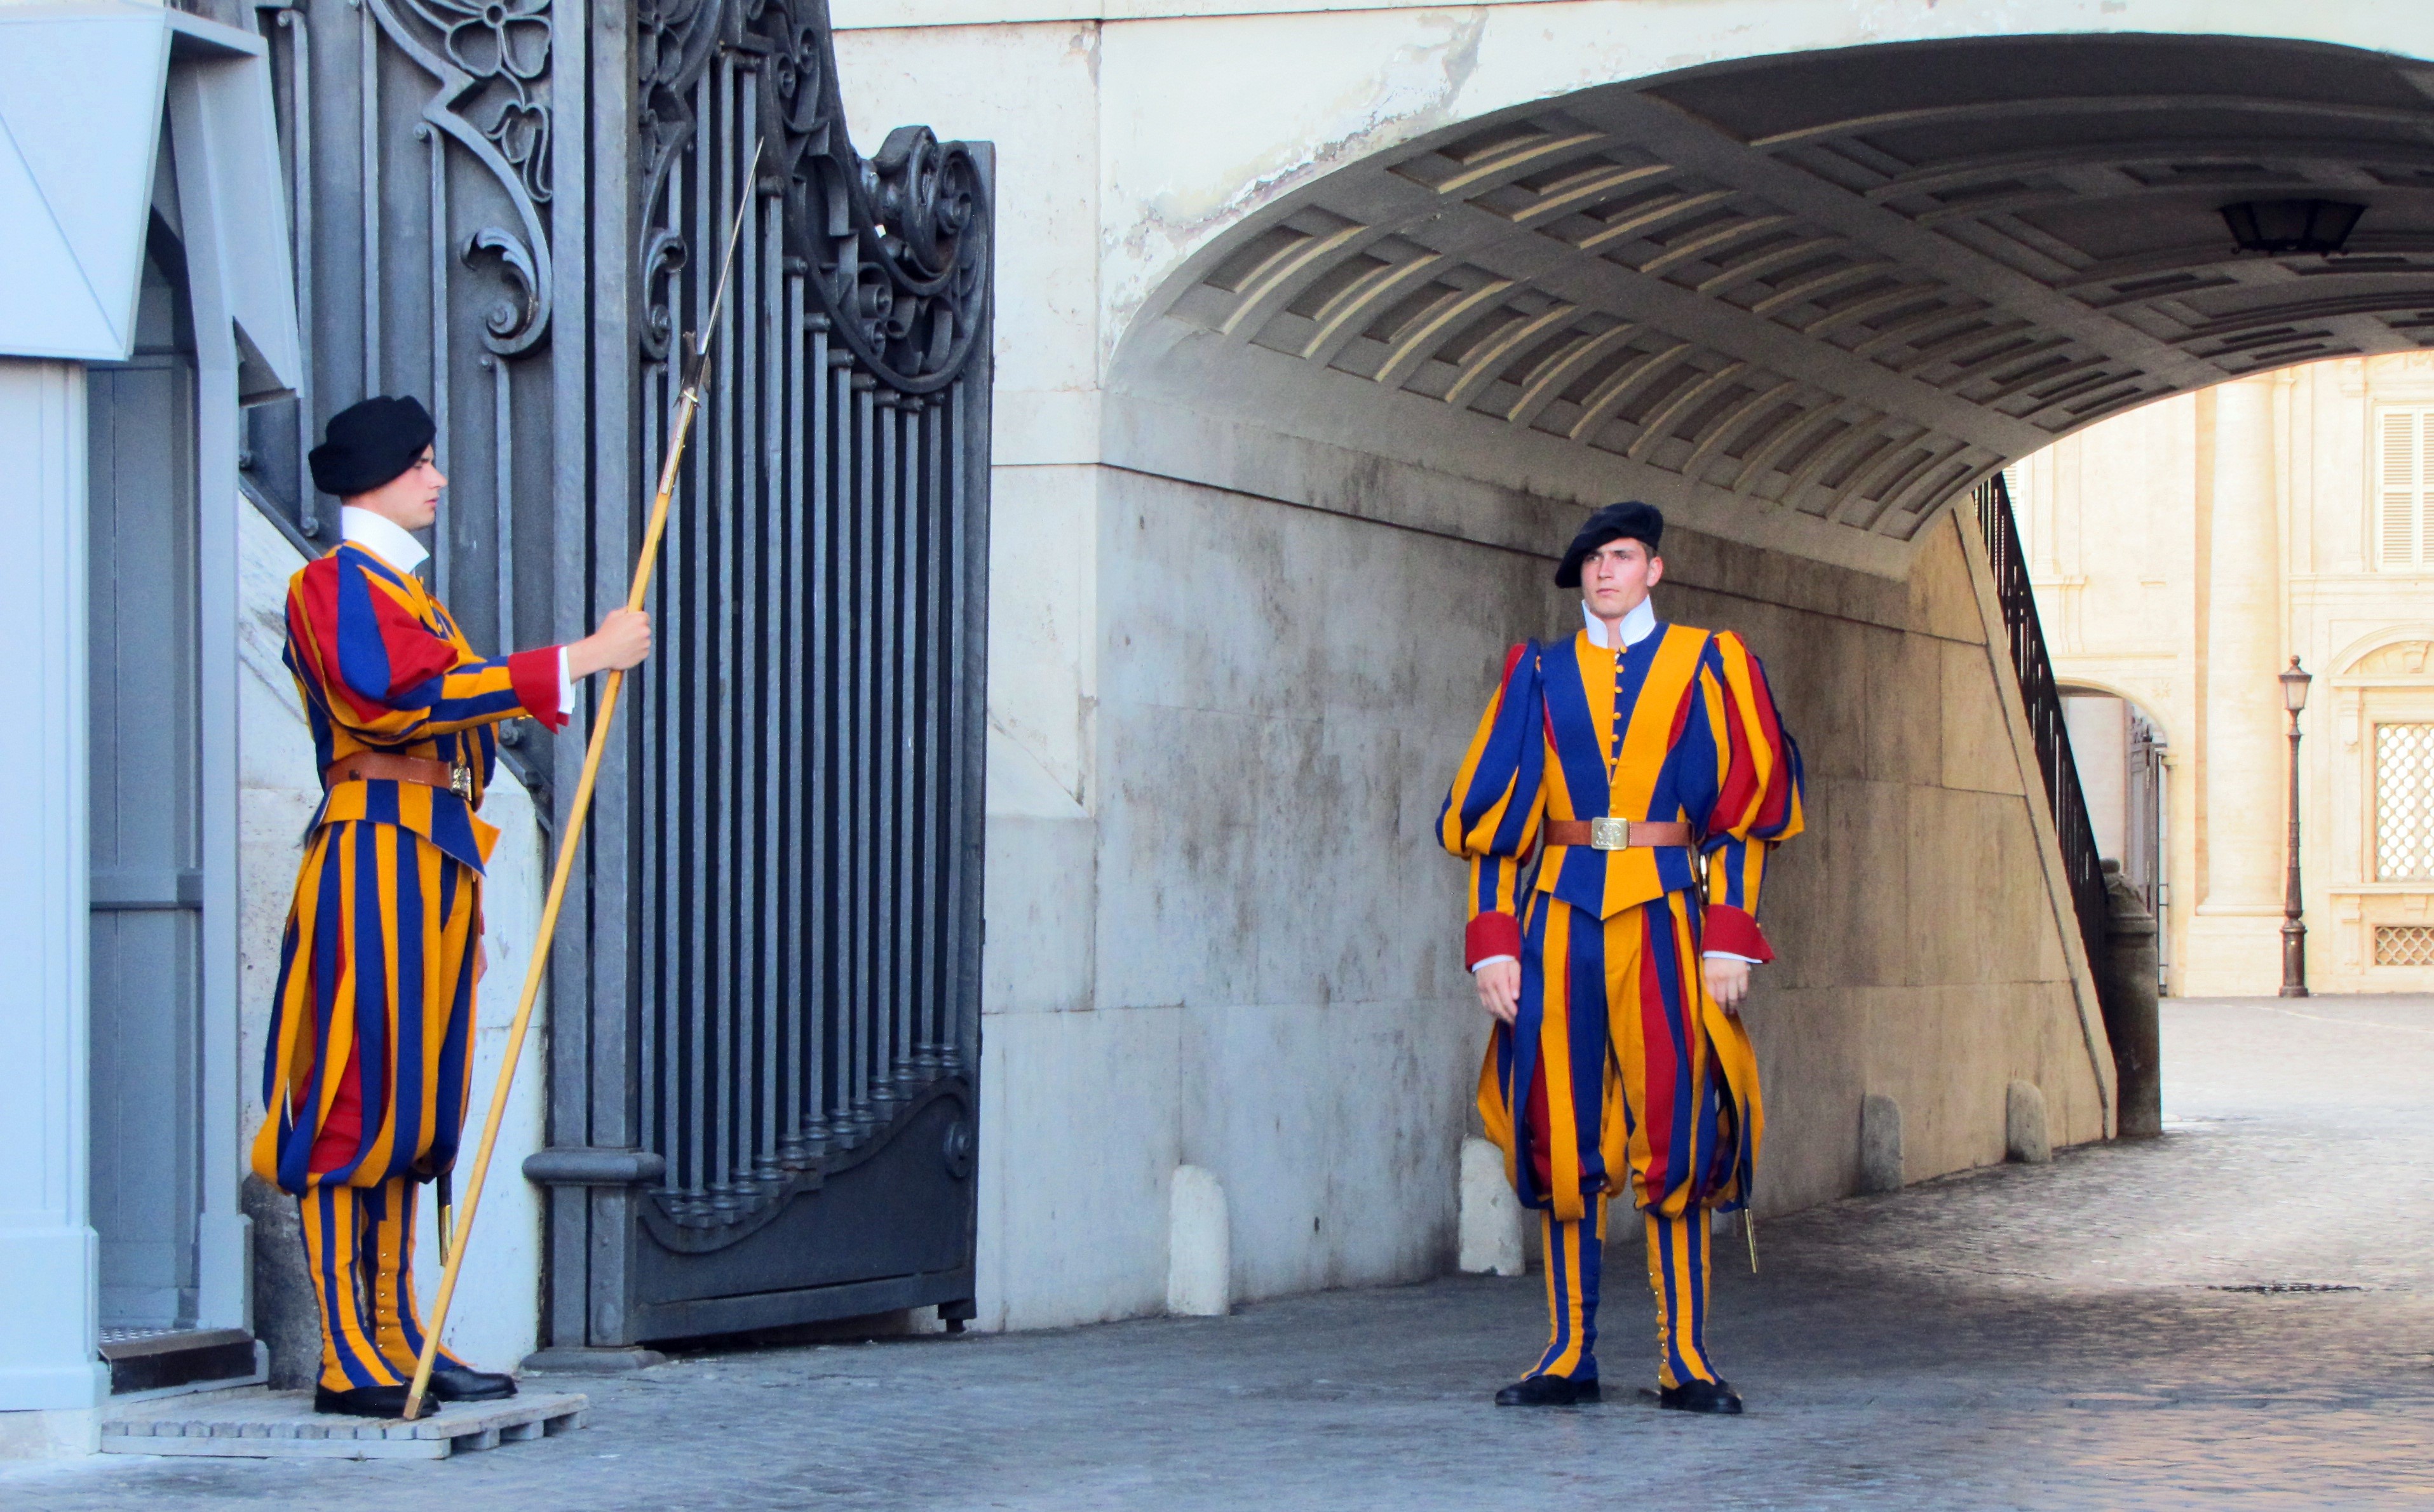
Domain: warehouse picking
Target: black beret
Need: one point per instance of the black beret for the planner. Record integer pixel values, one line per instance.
(1632, 521)
(371, 444)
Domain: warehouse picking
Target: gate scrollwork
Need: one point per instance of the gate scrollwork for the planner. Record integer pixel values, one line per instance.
(808, 944)
(490, 60)
(896, 244)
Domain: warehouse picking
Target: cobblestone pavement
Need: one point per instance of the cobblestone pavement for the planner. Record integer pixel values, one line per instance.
(2066, 1336)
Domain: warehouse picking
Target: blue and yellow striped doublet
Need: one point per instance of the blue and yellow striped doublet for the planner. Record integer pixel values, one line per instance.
(1620, 1074)
(363, 1074)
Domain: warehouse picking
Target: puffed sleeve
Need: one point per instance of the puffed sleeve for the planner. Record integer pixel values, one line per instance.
(389, 678)
(1491, 816)
(1757, 795)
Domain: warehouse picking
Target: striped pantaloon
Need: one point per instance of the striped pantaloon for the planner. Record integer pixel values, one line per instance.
(1629, 1096)
(367, 1075)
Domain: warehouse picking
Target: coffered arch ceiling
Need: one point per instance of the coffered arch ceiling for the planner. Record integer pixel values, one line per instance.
(1844, 284)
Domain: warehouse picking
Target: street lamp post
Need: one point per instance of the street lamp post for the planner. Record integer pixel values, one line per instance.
(2294, 933)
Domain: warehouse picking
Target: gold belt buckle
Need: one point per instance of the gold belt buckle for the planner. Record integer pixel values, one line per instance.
(460, 781)
(1609, 835)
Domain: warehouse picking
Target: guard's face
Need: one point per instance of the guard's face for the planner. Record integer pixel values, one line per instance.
(410, 499)
(1617, 575)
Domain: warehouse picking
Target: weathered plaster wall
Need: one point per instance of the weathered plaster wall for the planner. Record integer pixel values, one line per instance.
(496, 1314)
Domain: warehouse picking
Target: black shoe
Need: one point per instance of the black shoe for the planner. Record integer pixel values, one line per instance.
(1548, 1391)
(361, 1401)
(457, 1383)
(1700, 1396)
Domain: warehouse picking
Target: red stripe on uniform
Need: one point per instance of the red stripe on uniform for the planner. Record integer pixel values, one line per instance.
(1657, 1054)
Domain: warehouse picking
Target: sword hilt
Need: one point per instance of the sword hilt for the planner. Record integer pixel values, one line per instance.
(447, 1195)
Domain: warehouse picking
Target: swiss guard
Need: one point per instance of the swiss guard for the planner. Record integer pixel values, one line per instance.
(363, 1078)
(1617, 808)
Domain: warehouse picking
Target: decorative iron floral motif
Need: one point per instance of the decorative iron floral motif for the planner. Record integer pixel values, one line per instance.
(895, 247)
(491, 61)
(673, 47)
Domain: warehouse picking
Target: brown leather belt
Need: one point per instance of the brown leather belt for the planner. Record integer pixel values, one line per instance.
(380, 766)
(1616, 834)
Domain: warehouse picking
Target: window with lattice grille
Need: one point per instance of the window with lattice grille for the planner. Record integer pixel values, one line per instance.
(2403, 944)
(2404, 802)
(2404, 509)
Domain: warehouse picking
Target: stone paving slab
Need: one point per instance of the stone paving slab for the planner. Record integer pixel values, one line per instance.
(2043, 1337)
(282, 1425)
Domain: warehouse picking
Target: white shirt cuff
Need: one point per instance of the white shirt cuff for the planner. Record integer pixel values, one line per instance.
(565, 686)
(1491, 960)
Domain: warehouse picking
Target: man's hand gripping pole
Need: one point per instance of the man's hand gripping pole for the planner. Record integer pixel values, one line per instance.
(688, 401)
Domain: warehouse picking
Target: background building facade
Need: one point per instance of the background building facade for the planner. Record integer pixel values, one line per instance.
(2183, 554)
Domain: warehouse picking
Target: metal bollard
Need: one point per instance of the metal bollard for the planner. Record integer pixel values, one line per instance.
(2125, 985)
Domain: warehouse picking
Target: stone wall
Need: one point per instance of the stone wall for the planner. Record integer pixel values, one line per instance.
(1923, 952)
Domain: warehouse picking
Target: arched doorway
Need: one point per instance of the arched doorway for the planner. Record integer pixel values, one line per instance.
(2120, 751)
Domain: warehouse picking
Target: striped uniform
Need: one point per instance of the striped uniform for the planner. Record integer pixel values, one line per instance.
(363, 1074)
(1620, 1073)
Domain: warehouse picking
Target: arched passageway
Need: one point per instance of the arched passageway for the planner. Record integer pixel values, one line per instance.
(1324, 330)
(1808, 299)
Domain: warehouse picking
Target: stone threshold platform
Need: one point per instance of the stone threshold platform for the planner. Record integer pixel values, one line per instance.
(282, 1425)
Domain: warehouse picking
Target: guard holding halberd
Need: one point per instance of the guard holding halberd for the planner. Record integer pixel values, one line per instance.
(1644, 770)
(365, 1070)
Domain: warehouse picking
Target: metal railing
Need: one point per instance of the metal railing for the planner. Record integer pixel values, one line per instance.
(2081, 862)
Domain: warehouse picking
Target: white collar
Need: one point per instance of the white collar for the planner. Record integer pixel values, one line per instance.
(1635, 624)
(383, 537)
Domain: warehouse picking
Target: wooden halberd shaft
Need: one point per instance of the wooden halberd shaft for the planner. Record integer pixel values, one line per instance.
(537, 968)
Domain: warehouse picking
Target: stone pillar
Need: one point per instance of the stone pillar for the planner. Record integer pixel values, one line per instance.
(1200, 1265)
(1492, 1222)
(2233, 946)
(48, 1249)
(2126, 985)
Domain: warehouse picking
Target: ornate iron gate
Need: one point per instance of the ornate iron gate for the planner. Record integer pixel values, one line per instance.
(807, 923)
(764, 1014)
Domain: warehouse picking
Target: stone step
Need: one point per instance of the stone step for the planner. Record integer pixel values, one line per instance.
(282, 1425)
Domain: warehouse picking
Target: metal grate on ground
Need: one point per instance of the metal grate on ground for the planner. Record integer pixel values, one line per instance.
(282, 1425)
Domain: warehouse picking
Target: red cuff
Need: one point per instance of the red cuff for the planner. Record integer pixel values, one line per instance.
(1733, 929)
(1490, 935)
(534, 675)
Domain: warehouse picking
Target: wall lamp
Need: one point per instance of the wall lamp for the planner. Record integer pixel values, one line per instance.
(2278, 227)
